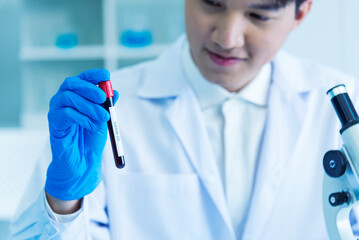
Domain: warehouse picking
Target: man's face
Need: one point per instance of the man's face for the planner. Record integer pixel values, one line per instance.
(230, 40)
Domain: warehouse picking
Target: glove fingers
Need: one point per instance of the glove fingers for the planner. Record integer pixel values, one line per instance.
(67, 116)
(83, 88)
(115, 98)
(82, 105)
(95, 76)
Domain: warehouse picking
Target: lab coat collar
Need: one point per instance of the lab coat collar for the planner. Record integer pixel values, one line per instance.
(287, 114)
(154, 85)
(296, 82)
(165, 78)
(184, 116)
(208, 94)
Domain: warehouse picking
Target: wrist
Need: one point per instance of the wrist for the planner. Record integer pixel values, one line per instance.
(63, 206)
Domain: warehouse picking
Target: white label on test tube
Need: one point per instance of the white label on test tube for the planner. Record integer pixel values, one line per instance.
(116, 132)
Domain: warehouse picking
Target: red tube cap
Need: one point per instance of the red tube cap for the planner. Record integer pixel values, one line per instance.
(106, 86)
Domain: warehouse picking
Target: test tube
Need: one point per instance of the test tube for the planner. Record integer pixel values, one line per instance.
(113, 127)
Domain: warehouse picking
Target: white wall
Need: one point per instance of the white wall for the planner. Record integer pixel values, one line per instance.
(330, 34)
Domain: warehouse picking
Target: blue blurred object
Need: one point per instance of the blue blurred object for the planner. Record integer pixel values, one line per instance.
(135, 39)
(67, 40)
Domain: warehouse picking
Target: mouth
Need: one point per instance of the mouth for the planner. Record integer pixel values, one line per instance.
(223, 60)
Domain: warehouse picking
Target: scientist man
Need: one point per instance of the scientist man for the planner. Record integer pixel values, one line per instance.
(223, 134)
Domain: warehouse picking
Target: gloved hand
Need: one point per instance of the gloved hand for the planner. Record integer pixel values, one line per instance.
(78, 133)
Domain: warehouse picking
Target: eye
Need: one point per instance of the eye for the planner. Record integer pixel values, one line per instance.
(259, 17)
(213, 3)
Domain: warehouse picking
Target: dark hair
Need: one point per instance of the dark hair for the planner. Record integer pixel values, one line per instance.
(283, 3)
(286, 2)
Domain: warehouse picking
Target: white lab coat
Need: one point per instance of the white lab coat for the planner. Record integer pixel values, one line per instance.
(171, 188)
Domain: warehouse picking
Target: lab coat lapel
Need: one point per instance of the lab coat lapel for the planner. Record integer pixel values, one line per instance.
(183, 114)
(188, 124)
(287, 108)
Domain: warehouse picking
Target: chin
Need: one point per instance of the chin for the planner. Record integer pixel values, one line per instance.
(226, 82)
(232, 83)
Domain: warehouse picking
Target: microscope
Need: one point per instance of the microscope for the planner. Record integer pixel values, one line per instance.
(341, 181)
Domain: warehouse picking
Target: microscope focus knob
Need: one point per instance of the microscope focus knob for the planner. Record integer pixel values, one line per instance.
(339, 198)
(334, 163)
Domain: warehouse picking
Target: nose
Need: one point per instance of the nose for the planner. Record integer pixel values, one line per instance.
(229, 33)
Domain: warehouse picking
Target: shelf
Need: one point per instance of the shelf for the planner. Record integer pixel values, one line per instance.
(90, 53)
(54, 53)
(124, 53)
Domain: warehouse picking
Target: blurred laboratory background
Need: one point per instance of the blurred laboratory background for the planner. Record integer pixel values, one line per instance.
(44, 41)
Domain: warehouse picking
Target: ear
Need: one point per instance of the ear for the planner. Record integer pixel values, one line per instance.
(303, 11)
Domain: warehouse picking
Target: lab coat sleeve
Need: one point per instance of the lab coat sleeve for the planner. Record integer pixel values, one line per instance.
(35, 223)
(32, 220)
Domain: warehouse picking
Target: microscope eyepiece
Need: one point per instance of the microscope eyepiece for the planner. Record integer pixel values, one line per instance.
(343, 106)
(334, 91)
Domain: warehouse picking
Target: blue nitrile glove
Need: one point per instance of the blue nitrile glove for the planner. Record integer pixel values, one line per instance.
(78, 132)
